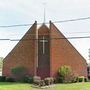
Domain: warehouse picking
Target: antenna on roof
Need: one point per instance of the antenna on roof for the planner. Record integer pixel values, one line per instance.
(44, 4)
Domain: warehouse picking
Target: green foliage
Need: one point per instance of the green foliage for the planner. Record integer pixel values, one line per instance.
(89, 78)
(82, 79)
(64, 70)
(75, 80)
(2, 78)
(18, 72)
(28, 79)
(6, 79)
(86, 79)
(9, 79)
(60, 79)
(65, 74)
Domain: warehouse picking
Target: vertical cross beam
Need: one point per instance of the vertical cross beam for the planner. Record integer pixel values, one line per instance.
(43, 41)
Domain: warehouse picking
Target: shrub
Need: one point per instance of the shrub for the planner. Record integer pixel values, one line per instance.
(81, 79)
(75, 80)
(86, 79)
(59, 79)
(18, 72)
(2, 78)
(89, 78)
(28, 79)
(64, 70)
(65, 74)
(9, 79)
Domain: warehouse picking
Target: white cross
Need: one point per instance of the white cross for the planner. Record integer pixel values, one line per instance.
(43, 42)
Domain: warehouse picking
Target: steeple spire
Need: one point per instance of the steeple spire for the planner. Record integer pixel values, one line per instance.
(44, 4)
(44, 15)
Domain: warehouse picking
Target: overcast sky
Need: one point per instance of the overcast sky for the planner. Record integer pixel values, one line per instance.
(27, 11)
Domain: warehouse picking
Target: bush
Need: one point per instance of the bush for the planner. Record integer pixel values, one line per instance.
(2, 78)
(28, 79)
(75, 80)
(89, 78)
(81, 79)
(65, 74)
(9, 79)
(60, 79)
(64, 70)
(86, 79)
(18, 72)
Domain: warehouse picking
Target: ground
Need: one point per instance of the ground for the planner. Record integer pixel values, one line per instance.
(23, 86)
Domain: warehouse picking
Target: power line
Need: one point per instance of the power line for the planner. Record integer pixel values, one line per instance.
(13, 34)
(53, 34)
(77, 19)
(46, 39)
(62, 21)
(18, 25)
(76, 32)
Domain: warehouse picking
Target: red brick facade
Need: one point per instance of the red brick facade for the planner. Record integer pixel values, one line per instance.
(23, 54)
(62, 52)
(43, 68)
(58, 51)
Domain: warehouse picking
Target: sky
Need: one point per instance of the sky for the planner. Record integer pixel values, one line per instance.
(14, 12)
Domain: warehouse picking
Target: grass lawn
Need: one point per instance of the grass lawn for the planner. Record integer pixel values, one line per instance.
(23, 86)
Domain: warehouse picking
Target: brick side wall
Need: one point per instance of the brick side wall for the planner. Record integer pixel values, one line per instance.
(63, 53)
(22, 55)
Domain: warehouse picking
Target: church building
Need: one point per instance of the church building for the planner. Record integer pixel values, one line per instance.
(42, 51)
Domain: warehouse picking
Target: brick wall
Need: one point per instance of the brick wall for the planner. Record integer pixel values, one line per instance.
(62, 52)
(23, 54)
